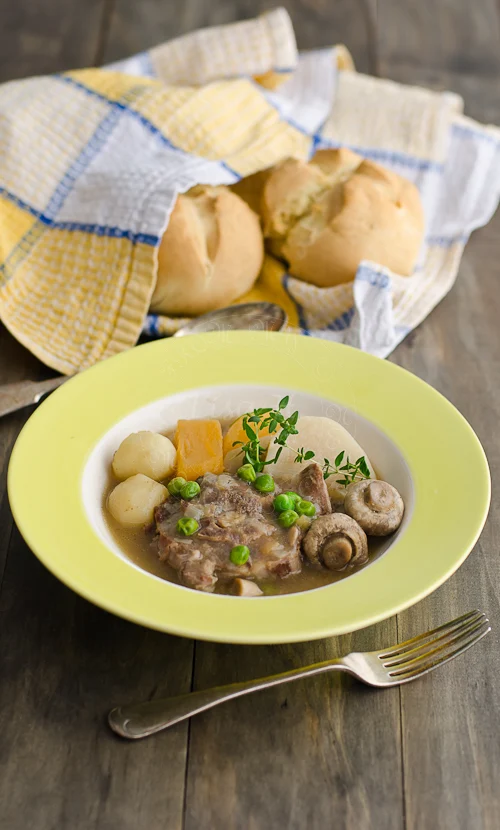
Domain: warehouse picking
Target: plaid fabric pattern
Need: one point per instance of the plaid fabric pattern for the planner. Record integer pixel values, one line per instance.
(91, 163)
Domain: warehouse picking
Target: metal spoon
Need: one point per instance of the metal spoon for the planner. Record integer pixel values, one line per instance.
(249, 316)
(253, 316)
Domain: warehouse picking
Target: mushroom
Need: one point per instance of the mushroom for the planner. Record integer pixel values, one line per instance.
(334, 541)
(245, 588)
(376, 506)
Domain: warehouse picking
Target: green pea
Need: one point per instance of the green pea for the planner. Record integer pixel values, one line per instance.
(293, 496)
(187, 526)
(175, 486)
(283, 502)
(288, 518)
(239, 554)
(264, 483)
(305, 508)
(247, 473)
(190, 490)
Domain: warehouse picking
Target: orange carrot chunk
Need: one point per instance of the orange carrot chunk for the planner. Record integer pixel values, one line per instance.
(199, 448)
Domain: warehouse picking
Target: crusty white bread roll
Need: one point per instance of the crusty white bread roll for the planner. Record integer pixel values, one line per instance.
(325, 216)
(210, 254)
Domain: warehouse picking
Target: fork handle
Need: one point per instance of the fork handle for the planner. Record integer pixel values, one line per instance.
(138, 720)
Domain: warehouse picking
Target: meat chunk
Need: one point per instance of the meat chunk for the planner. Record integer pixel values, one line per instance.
(229, 512)
(290, 562)
(312, 487)
(222, 530)
(194, 569)
(227, 493)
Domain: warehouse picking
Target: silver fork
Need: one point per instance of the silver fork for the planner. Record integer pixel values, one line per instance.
(390, 667)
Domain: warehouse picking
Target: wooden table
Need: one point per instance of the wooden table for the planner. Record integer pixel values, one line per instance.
(325, 753)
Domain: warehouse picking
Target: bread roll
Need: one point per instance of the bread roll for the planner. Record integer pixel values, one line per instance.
(326, 216)
(210, 254)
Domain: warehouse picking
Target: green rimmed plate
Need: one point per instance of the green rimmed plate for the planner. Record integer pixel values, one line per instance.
(58, 471)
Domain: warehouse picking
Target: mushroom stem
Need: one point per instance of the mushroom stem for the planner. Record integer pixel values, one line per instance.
(337, 552)
(246, 588)
(334, 541)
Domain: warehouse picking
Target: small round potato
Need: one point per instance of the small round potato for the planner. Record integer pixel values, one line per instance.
(132, 502)
(144, 452)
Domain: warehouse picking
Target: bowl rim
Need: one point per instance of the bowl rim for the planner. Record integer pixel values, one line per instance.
(425, 427)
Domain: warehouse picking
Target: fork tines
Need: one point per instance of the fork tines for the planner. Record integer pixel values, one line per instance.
(425, 652)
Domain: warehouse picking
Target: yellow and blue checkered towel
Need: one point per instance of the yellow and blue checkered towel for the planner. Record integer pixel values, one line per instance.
(91, 162)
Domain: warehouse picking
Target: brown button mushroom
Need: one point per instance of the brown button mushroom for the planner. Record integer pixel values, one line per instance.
(376, 506)
(246, 588)
(335, 541)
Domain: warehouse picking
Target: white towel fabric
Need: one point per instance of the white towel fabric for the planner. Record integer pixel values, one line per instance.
(420, 134)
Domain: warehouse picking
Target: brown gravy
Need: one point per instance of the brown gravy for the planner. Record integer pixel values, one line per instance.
(135, 543)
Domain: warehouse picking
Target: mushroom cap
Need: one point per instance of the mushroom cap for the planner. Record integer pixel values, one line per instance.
(335, 541)
(376, 505)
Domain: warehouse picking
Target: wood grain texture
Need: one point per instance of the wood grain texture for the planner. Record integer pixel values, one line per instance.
(451, 35)
(16, 363)
(451, 740)
(138, 26)
(314, 754)
(321, 753)
(42, 36)
(63, 663)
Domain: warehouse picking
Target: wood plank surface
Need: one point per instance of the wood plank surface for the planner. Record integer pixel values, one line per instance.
(318, 753)
(323, 753)
(451, 740)
(42, 36)
(454, 35)
(138, 26)
(63, 662)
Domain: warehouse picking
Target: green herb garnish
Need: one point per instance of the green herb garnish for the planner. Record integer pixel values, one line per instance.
(273, 419)
(351, 472)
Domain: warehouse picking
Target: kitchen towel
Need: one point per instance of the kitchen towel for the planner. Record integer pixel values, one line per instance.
(91, 162)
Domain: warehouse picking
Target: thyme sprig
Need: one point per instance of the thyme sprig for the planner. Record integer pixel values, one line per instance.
(351, 472)
(273, 420)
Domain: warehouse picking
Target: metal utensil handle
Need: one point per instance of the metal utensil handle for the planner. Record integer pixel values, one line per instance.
(138, 720)
(14, 396)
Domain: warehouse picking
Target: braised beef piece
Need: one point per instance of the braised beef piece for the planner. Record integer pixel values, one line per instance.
(237, 495)
(312, 486)
(229, 512)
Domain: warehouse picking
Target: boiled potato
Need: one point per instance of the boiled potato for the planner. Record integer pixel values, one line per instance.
(326, 438)
(145, 452)
(132, 502)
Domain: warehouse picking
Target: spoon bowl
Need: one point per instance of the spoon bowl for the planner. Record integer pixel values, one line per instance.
(249, 316)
